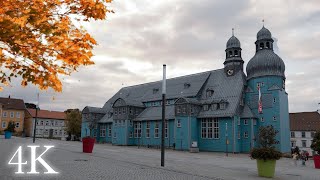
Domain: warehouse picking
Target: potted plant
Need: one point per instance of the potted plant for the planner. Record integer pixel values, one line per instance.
(9, 130)
(266, 154)
(315, 145)
(88, 142)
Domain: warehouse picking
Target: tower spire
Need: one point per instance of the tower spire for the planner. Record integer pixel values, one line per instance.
(232, 31)
(262, 22)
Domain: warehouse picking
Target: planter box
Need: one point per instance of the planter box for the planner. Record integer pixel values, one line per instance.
(87, 144)
(7, 134)
(316, 160)
(266, 168)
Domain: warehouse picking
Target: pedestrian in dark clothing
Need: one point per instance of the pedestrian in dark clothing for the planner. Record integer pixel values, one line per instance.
(307, 156)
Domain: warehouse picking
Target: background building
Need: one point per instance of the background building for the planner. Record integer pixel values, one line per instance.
(303, 126)
(12, 110)
(217, 110)
(50, 124)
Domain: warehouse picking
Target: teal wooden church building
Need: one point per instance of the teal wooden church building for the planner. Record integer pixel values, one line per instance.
(214, 110)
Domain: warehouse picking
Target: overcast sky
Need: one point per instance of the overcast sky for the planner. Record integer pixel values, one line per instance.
(190, 37)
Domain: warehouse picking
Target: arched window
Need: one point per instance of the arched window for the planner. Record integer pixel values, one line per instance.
(268, 45)
(261, 45)
(230, 53)
(236, 53)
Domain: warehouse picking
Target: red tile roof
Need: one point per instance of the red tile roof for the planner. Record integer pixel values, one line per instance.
(305, 121)
(11, 103)
(48, 114)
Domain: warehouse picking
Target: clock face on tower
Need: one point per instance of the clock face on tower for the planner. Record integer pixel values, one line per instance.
(230, 72)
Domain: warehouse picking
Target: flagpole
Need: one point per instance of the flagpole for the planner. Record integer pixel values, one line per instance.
(163, 114)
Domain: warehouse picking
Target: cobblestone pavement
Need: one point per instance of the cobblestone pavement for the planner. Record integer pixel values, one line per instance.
(123, 162)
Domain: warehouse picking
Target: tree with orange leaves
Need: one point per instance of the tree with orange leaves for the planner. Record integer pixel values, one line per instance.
(40, 41)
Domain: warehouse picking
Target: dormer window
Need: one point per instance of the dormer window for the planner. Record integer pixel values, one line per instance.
(223, 105)
(155, 90)
(209, 92)
(214, 106)
(206, 107)
(187, 85)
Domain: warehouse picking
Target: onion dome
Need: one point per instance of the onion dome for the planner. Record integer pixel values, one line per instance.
(233, 42)
(264, 33)
(265, 62)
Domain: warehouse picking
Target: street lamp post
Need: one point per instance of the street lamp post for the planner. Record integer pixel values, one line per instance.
(163, 114)
(227, 139)
(35, 121)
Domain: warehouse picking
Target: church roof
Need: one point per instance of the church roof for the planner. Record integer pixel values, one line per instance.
(264, 33)
(193, 87)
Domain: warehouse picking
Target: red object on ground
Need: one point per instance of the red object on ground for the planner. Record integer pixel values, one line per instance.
(316, 159)
(87, 144)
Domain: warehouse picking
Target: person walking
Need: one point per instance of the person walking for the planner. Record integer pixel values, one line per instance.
(307, 156)
(295, 158)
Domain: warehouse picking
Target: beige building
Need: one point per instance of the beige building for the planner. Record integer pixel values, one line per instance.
(13, 110)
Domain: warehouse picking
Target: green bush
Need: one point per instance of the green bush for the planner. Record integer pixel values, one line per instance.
(265, 153)
(315, 145)
(11, 127)
(266, 142)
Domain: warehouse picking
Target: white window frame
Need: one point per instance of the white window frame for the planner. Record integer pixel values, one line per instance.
(262, 119)
(17, 124)
(11, 114)
(4, 124)
(5, 114)
(245, 122)
(246, 134)
(210, 128)
(303, 132)
(109, 130)
(17, 114)
(292, 133)
(131, 134)
(302, 143)
(156, 129)
(254, 122)
(148, 129)
(178, 109)
(137, 129)
(274, 118)
(103, 130)
(179, 123)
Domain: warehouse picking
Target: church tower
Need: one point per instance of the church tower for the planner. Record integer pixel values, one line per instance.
(233, 62)
(265, 73)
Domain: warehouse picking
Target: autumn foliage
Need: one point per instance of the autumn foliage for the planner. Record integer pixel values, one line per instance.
(41, 40)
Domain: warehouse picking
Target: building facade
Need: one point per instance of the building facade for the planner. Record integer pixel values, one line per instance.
(13, 110)
(303, 126)
(218, 110)
(50, 124)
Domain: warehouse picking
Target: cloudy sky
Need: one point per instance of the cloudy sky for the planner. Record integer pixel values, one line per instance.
(190, 37)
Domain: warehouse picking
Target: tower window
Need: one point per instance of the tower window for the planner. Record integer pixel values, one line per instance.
(230, 53)
(236, 53)
(268, 45)
(261, 45)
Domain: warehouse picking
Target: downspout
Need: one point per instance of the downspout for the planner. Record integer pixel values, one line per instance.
(233, 134)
